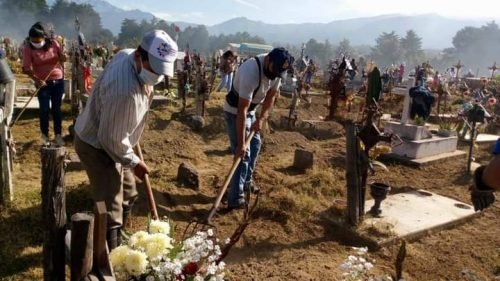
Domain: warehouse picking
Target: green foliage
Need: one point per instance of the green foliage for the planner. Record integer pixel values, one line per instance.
(412, 48)
(344, 47)
(387, 50)
(17, 16)
(197, 38)
(445, 125)
(419, 121)
(477, 46)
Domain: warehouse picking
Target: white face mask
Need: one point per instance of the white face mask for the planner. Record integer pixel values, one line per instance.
(38, 45)
(149, 78)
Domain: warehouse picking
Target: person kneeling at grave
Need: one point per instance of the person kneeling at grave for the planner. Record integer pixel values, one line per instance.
(486, 182)
(257, 81)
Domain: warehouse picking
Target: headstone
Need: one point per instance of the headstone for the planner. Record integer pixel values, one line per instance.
(187, 175)
(303, 159)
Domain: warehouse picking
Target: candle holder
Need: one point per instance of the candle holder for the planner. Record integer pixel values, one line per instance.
(379, 192)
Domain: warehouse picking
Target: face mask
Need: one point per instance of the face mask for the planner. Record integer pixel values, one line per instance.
(38, 45)
(149, 78)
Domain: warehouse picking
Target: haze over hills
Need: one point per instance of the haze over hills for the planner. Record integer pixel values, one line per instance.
(437, 31)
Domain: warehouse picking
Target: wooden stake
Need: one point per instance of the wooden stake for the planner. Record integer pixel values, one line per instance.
(53, 213)
(82, 244)
(102, 266)
(352, 174)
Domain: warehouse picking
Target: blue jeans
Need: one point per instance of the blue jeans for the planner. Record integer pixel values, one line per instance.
(227, 81)
(51, 94)
(244, 172)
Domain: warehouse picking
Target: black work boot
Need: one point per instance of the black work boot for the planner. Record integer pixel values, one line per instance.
(113, 238)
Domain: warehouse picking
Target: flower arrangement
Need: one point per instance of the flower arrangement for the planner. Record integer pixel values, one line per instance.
(357, 267)
(155, 256)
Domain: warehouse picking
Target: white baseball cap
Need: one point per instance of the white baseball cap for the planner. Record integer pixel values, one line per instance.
(162, 51)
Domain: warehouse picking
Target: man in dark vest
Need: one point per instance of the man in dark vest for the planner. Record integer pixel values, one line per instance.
(257, 81)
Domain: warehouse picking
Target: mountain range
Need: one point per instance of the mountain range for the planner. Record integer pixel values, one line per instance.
(437, 31)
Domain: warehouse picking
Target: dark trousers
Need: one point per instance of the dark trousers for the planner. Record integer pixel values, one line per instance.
(50, 99)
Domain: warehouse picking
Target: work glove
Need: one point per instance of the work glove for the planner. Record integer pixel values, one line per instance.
(482, 196)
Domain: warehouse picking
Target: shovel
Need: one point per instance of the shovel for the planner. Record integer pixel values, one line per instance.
(149, 190)
(228, 180)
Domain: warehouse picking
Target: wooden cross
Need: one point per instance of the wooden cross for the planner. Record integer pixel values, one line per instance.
(493, 69)
(458, 66)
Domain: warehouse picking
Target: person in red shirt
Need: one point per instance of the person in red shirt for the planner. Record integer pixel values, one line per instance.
(43, 61)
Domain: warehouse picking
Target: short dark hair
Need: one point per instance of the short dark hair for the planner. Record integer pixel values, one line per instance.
(228, 54)
(144, 55)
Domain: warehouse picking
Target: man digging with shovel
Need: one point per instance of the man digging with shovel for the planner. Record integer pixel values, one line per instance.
(113, 121)
(257, 81)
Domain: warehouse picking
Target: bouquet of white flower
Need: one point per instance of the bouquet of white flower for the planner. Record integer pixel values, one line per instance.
(156, 256)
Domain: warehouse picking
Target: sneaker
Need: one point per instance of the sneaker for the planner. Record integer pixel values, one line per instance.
(59, 140)
(44, 139)
(241, 205)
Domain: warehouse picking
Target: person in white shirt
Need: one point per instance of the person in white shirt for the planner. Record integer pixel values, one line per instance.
(257, 81)
(113, 121)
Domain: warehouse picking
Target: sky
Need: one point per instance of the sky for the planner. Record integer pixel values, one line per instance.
(211, 12)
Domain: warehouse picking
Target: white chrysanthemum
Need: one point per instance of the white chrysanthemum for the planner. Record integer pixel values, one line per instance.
(157, 245)
(136, 263)
(118, 256)
(212, 269)
(198, 278)
(157, 226)
(222, 266)
(210, 232)
(138, 240)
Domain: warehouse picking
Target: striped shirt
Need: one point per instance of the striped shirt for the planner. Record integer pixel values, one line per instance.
(116, 111)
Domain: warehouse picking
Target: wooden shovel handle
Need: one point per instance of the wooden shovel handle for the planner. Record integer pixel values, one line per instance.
(149, 190)
(228, 180)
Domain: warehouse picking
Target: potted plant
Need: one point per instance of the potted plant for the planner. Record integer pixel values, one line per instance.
(419, 120)
(445, 129)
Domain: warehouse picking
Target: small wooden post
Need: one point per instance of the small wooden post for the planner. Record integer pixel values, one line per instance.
(352, 174)
(53, 213)
(102, 266)
(82, 243)
(6, 187)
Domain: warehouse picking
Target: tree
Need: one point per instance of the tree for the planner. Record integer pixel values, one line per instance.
(387, 50)
(63, 14)
(17, 16)
(477, 47)
(344, 48)
(412, 48)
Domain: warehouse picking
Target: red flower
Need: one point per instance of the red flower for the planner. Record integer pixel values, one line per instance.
(190, 268)
(492, 101)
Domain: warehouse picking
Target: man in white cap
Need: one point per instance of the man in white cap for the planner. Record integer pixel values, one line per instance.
(113, 121)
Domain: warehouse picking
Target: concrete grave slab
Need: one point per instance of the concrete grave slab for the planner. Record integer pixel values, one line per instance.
(412, 214)
(21, 102)
(484, 138)
(418, 149)
(457, 154)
